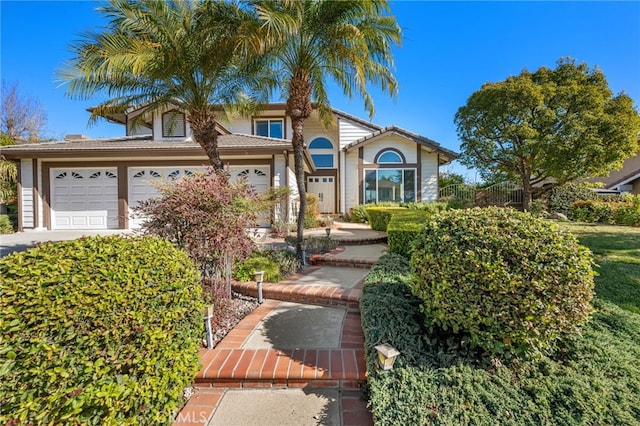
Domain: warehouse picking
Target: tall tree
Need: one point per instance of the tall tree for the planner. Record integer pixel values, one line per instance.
(313, 41)
(553, 125)
(23, 118)
(193, 54)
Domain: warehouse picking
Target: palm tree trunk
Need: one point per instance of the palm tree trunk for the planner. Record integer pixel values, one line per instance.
(203, 128)
(299, 109)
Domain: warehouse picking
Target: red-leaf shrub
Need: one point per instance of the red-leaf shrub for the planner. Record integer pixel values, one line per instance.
(207, 216)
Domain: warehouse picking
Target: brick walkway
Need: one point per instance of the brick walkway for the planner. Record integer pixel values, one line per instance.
(231, 365)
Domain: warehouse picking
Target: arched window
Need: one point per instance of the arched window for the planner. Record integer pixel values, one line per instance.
(322, 153)
(321, 143)
(389, 157)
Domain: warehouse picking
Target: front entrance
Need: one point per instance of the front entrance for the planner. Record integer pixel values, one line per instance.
(324, 187)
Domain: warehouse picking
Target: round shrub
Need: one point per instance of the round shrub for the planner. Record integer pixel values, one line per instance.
(102, 330)
(512, 282)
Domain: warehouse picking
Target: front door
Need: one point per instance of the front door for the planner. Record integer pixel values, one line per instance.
(324, 188)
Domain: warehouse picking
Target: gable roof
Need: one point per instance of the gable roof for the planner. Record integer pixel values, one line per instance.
(141, 145)
(414, 137)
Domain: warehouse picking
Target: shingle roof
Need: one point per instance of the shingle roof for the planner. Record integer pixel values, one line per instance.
(231, 141)
(421, 140)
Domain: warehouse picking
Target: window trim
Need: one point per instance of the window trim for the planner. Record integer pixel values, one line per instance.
(282, 119)
(389, 149)
(402, 184)
(323, 151)
(175, 127)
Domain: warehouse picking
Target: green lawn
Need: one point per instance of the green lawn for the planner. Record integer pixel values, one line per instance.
(617, 252)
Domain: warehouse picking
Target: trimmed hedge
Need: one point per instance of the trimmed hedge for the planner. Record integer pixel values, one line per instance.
(562, 197)
(593, 378)
(513, 282)
(379, 217)
(102, 330)
(404, 228)
(626, 212)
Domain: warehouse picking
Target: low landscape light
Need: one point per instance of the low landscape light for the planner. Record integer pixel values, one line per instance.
(387, 355)
(328, 231)
(208, 314)
(258, 277)
(303, 250)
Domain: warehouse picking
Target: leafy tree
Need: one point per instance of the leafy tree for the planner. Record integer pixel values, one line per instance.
(23, 118)
(553, 125)
(193, 54)
(450, 178)
(207, 216)
(310, 41)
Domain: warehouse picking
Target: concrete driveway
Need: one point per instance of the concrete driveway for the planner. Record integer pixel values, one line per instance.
(24, 240)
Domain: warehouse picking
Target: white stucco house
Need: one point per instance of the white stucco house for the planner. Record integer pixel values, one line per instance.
(82, 183)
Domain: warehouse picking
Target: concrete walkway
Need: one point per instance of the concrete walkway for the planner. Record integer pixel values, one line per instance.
(298, 359)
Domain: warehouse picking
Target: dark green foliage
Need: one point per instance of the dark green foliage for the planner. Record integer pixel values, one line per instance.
(6, 227)
(404, 228)
(276, 264)
(379, 217)
(592, 378)
(98, 331)
(626, 212)
(562, 197)
(512, 282)
(390, 313)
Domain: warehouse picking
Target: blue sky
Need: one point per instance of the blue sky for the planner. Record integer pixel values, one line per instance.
(449, 50)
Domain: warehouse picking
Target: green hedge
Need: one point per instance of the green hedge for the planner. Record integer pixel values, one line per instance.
(379, 217)
(98, 331)
(513, 282)
(593, 378)
(626, 212)
(562, 197)
(404, 228)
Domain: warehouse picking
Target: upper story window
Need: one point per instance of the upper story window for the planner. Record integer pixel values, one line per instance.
(269, 127)
(389, 157)
(173, 125)
(322, 153)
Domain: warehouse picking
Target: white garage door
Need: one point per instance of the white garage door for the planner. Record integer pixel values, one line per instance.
(84, 198)
(142, 185)
(259, 177)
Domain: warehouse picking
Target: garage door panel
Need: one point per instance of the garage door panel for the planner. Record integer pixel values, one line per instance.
(260, 178)
(142, 181)
(84, 198)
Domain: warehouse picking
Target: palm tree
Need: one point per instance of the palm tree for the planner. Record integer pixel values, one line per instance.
(310, 41)
(194, 54)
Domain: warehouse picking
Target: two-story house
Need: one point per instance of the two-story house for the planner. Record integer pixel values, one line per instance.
(82, 183)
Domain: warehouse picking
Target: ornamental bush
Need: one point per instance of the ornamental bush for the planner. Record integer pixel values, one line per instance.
(562, 197)
(403, 230)
(379, 217)
(512, 282)
(102, 330)
(625, 212)
(207, 216)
